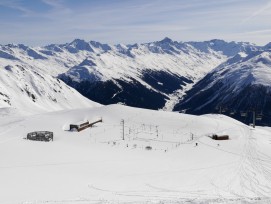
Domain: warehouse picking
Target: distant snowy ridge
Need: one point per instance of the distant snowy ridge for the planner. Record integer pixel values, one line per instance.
(148, 75)
(191, 60)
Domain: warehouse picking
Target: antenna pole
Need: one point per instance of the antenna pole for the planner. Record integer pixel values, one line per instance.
(254, 118)
(122, 122)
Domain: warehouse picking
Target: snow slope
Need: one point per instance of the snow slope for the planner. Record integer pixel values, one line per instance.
(24, 88)
(242, 83)
(97, 166)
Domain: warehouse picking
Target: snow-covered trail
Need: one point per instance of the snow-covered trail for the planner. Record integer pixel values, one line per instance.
(97, 166)
(250, 176)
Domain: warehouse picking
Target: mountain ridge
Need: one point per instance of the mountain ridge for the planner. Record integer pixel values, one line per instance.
(130, 74)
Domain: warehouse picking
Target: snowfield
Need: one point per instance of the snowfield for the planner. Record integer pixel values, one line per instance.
(97, 166)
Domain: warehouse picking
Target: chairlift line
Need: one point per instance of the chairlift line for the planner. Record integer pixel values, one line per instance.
(243, 114)
(259, 117)
(256, 114)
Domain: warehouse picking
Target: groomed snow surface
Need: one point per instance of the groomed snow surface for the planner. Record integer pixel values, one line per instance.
(97, 166)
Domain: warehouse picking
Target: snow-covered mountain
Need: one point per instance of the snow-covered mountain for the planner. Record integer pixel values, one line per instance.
(241, 84)
(23, 88)
(151, 75)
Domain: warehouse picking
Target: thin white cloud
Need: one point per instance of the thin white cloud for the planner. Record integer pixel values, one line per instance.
(16, 5)
(53, 3)
(258, 12)
(263, 31)
(58, 8)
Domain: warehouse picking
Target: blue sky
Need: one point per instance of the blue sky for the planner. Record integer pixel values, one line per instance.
(40, 22)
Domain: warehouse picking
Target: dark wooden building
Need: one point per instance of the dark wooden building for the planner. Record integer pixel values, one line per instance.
(40, 136)
(220, 137)
(79, 126)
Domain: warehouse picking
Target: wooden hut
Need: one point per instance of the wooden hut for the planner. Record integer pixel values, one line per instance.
(220, 137)
(81, 125)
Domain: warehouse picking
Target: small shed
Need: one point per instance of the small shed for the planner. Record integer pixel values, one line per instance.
(81, 125)
(220, 137)
(40, 136)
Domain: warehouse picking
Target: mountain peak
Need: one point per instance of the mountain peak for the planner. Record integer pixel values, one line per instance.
(104, 47)
(79, 44)
(77, 40)
(166, 40)
(218, 41)
(20, 46)
(267, 46)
